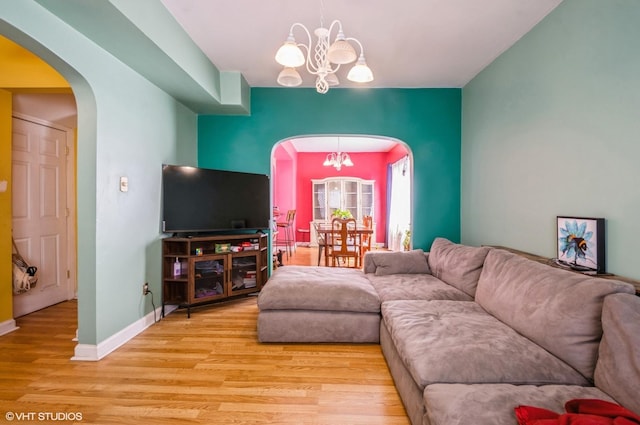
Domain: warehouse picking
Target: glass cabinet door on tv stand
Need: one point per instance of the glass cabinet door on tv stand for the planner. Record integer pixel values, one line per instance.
(206, 278)
(205, 269)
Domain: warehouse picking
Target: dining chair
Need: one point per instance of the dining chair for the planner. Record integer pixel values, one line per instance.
(322, 244)
(344, 242)
(365, 239)
(288, 234)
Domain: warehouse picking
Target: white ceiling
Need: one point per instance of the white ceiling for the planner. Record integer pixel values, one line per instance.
(52, 107)
(349, 144)
(407, 43)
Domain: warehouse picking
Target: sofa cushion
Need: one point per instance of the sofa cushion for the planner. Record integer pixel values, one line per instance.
(493, 404)
(457, 265)
(407, 262)
(618, 368)
(382, 263)
(415, 287)
(457, 341)
(318, 326)
(557, 309)
(319, 288)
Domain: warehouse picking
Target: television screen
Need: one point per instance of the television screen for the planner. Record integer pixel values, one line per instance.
(200, 200)
(581, 243)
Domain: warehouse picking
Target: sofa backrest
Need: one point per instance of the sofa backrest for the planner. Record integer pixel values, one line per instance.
(383, 263)
(458, 265)
(618, 367)
(557, 309)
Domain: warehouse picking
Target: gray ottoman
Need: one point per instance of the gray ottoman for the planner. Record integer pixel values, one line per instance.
(318, 304)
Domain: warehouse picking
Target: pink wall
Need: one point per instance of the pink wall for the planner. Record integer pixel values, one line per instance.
(284, 194)
(397, 152)
(284, 179)
(368, 166)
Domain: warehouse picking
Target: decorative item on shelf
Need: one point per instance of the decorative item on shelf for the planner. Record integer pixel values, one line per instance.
(343, 214)
(327, 58)
(406, 242)
(177, 268)
(581, 243)
(221, 248)
(249, 279)
(338, 159)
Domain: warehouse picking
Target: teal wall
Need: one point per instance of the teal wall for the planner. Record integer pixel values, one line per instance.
(126, 127)
(428, 120)
(551, 128)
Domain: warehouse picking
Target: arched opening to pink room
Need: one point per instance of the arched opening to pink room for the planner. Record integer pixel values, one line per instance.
(315, 175)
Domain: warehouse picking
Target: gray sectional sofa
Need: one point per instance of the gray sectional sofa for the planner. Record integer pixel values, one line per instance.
(469, 333)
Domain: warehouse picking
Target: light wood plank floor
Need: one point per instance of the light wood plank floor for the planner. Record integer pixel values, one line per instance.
(209, 369)
(301, 256)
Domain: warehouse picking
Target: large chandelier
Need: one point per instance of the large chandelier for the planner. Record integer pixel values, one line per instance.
(326, 58)
(338, 159)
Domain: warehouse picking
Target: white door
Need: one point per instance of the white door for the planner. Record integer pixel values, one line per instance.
(39, 208)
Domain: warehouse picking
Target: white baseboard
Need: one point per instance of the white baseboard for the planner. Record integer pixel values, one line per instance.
(8, 326)
(93, 353)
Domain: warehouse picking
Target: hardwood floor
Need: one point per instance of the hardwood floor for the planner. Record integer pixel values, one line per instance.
(302, 256)
(209, 369)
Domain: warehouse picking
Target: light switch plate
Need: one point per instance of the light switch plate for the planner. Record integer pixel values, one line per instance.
(124, 184)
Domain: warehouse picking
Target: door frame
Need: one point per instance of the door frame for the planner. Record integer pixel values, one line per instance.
(70, 146)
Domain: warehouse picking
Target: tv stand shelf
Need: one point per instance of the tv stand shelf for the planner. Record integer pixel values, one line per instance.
(204, 269)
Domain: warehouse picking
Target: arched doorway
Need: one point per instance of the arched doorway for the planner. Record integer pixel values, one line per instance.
(297, 163)
(74, 85)
(41, 148)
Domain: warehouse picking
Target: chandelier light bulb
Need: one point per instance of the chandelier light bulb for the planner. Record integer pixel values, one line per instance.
(347, 160)
(289, 54)
(289, 77)
(341, 51)
(360, 73)
(332, 79)
(337, 160)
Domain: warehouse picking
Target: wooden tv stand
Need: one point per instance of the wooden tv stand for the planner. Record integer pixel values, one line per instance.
(212, 268)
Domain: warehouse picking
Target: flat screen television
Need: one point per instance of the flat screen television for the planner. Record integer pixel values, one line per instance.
(581, 243)
(200, 200)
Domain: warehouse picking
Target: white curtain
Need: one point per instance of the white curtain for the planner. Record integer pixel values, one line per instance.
(399, 217)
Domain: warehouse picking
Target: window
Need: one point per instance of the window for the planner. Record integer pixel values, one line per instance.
(345, 193)
(399, 207)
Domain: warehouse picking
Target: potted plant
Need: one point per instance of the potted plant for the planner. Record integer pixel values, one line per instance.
(338, 213)
(406, 242)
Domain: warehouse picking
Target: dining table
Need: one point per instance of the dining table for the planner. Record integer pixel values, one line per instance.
(326, 229)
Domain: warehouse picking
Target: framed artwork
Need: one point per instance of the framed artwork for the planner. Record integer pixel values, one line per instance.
(581, 243)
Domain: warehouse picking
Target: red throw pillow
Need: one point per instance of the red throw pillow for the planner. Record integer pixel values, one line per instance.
(579, 412)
